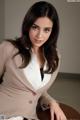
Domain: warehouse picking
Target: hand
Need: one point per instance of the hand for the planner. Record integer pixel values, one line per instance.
(55, 109)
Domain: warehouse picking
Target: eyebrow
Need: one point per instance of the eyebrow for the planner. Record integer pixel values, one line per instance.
(39, 26)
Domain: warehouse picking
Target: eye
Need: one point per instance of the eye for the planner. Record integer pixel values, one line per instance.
(34, 27)
(47, 30)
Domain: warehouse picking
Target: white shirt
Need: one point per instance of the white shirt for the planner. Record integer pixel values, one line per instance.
(32, 73)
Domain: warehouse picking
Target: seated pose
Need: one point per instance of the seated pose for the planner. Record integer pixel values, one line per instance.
(29, 66)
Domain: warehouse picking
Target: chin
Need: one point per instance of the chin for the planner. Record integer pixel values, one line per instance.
(39, 45)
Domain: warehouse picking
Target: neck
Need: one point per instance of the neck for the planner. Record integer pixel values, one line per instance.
(36, 50)
(39, 55)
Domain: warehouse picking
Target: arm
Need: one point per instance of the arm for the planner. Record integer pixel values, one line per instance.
(46, 98)
(48, 102)
(5, 52)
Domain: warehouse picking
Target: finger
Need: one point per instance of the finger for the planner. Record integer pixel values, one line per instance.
(58, 117)
(52, 114)
(63, 118)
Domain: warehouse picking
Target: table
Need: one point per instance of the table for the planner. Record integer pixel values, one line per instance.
(70, 112)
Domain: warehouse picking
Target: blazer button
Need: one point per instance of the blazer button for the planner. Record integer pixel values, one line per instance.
(30, 101)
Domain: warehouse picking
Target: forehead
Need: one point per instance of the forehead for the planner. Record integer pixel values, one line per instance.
(43, 22)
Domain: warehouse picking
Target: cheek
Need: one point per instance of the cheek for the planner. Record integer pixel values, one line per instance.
(47, 37)
(32, 34)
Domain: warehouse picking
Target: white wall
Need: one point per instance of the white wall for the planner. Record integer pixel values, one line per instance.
(1, 19)
(69, 38)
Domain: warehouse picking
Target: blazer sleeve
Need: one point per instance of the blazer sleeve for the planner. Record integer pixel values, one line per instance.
(46, 98)
(5, 52)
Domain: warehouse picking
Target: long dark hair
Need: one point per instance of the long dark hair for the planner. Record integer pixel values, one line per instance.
(39, 9)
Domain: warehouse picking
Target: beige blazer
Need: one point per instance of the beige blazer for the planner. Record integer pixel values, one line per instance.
(17, 95)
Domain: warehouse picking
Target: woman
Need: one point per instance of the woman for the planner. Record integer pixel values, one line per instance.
(28, 64)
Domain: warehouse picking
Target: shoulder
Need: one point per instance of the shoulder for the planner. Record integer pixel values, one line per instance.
(59, 62)
(58, 53)
(6, 47)
(6, 44)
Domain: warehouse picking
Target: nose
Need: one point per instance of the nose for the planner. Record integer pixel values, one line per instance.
(40, 34)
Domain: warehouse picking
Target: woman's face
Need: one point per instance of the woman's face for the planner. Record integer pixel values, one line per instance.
(40, 31)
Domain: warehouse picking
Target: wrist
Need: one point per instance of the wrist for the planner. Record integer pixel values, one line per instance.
(54, 104)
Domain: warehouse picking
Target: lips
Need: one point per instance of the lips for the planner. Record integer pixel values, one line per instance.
(38, 41)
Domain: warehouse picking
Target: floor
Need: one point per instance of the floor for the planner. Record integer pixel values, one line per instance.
(67, 91)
